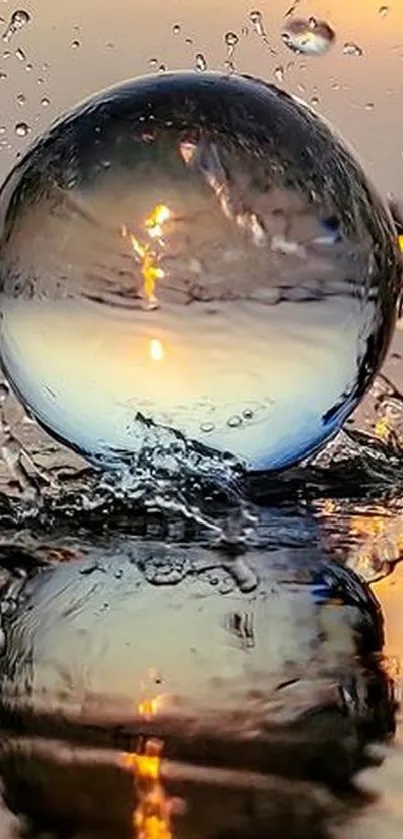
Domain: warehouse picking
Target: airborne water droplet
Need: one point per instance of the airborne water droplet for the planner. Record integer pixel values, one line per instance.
(234, 421)
(176, 28)
(207, 427)
(18, 20)
(200, 62)
(279, 74)
(20, 54)
(45, 101)
(350, 48)
(231, 39)
(21, 99)
(310, 37)
(22, 129)
(383, 11)
(75, 44)
(256, 19)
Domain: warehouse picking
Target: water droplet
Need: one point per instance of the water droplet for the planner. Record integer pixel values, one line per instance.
(22, 129)
(45, 101)
(3, 75)
(234, 421)
(18, 20)
(207, 427)
(20, 54)
(188, 40)
(256, 19)
(383, 11)
(176, 29)
(310, 37)
(40, 80)
(162, 68)
(28, 67)
(3, 129)
(229, 65)
(369, 106)
(200, 62)
(75, 44)
(247, 414)
(6, 54)
(153, 62)
(21, 99)
(231, 40)
(279, 74)
(314, 100)
(350, 48)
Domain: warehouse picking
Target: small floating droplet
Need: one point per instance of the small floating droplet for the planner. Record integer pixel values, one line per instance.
(22, 129)
(231, 39)
(383, 11)
(45, 101)
(350, 48)
(18, 20)
(256, 19)
(234, 421)
(20, 54)
(207, 427)
(279, 74)
(310, 37)
(176, 29)
(75, 44)
(21, 99)
(200, 62)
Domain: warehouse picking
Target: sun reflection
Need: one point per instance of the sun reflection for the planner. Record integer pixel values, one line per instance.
(149, 258)
(153, 808)
(374, 537)
(156, 349)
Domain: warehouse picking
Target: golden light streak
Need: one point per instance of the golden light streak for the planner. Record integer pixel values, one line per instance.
(150, 270)
(400, 242)
(153, 814)
(156, 219)
(153, 808)
(382, 428)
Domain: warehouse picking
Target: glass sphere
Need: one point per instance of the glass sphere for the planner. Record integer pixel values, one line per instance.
(198, 253)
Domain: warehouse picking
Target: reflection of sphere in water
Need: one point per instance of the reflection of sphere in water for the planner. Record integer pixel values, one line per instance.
(198, 253)
(280, 678)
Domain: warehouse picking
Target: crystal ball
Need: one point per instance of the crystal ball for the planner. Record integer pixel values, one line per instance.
(197, 253)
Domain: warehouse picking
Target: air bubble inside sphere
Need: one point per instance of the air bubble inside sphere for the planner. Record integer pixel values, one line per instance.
(199, 254)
